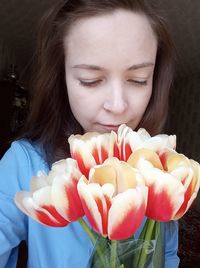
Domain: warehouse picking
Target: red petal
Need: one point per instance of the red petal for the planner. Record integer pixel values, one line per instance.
(104, 214)
(83, 168)
(128, 151)
(163, 159)
(90, 216)
(95, 154)
(126, 213)
(187, 197)
(100, 155)
(159, 206)
(116, 152)
(104, 154)
(45, 219)
(128, 227)
(75, 209)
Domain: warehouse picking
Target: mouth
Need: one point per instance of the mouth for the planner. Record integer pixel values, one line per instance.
(108, 127)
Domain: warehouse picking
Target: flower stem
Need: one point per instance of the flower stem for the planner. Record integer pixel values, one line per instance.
(113, 253)
(94, 242)
(148, 236)
(88, 231)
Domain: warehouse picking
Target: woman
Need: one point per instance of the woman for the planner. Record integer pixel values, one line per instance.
(102, 63)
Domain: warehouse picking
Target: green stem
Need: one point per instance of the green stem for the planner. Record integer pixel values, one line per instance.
(94, 240)
(148, 237)
(113, 253)
(138, 251)
(88, 231)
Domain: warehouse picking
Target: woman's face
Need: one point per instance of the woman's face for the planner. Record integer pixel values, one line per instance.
(109, 67)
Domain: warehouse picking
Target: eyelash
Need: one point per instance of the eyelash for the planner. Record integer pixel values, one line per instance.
(89, 84)
(96, 82)
(137, 82)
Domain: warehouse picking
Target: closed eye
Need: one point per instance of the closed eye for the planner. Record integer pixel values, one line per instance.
(90, 83)
(138, 82)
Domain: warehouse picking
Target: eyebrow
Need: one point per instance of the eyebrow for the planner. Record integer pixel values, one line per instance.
(98, 68)
(141, 65)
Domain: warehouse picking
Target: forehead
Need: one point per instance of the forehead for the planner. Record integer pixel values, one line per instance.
(115, 35)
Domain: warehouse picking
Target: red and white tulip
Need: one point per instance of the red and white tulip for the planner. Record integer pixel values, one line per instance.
(94, 148)
(172, 180)
(114, 179)
(53, 199)
(114, 199)
(91, 149)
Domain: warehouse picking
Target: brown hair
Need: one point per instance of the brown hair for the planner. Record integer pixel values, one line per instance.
(51, 121)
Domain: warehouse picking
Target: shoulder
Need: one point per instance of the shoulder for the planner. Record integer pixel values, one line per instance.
(26, 146)
(24, 152)
(22, 161)
(28, 149)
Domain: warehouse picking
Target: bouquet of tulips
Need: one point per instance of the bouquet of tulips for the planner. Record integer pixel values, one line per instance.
(117, 182)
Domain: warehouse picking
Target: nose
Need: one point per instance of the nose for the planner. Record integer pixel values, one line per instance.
(115, 101)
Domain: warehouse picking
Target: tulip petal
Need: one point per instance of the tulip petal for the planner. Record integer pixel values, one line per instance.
(83, 156)
(49, 215)
(144, 135)
(159, 142)
(192, 189)
(126, 176)
(103, 146)
(94, 205)
(21, 199)
(102, 174)
(43, 199)
(126, 213)
(64, 191)
(184, 174)
(39, 207)
(174, 160)
(66, 198)
(146, 154)
(166, 193)
(38, 181)
(196, 179)
(91, 149)
(128, 141)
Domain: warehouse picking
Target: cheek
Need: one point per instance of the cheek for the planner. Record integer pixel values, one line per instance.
(78, 104)
(81, 103)
(75, 95)
(145, 100)
(140, 100)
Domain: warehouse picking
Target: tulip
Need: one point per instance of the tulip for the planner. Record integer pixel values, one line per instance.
(91, 149)
(172, 180)
(53, 199)
(176, 164)
(128, 140)
(114, 199)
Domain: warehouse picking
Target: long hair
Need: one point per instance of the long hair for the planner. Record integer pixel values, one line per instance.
(50, 121)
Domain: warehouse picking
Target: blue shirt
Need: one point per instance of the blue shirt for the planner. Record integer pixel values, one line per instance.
(47, 246)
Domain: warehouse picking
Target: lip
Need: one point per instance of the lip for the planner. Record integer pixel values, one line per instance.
(109, 127)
